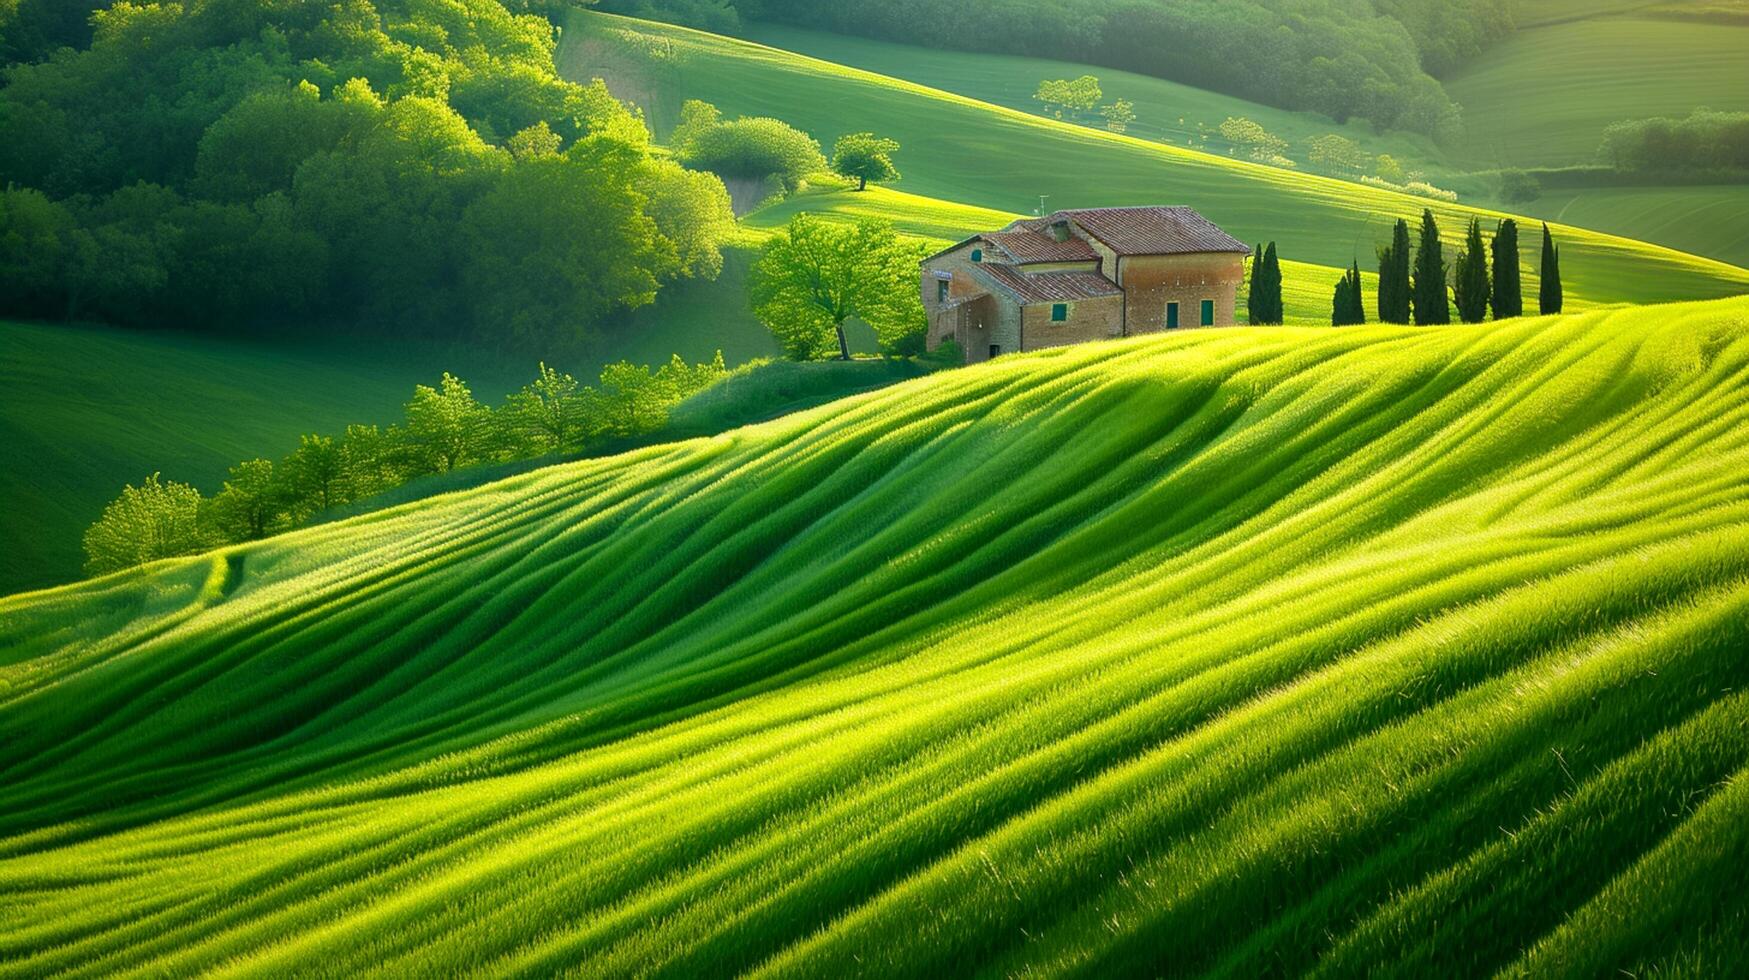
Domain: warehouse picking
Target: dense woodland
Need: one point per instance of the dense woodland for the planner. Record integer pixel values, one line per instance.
(1368, 59)
(409, 163)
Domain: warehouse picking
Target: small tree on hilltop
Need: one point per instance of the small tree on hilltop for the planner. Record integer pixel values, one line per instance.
(1470, 279)
(446, 427)
(1507, 296)
(1119, 115)
(314, 475)
(1432, 304)
(250, 502)
(865, 157)
(813, 276)
(1394, 276)
(151, 521)
(1550, 298)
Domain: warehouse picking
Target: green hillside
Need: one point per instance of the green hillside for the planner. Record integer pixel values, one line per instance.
(88, 410)
(1253, 651)
(962, 150)
(1543, 96)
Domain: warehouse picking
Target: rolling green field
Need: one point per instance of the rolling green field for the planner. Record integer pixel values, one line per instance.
(1543, 96)
(958, 149)
(1252, 651)
(88, 410)
(1703, 220)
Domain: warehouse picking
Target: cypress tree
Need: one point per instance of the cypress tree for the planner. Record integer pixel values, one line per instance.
(1394, 276)
(1251, 311)
(1470, 284)
(1507, 299)
(1432, 305)
(1347, 307)
(1550, 297)
(1269, 288)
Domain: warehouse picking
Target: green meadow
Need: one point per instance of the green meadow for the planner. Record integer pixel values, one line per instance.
(90, 409)
(1543, 96)
(1277, 651)
(958, 149)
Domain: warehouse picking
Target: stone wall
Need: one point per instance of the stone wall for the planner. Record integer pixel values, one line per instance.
(1089, 319)
(1152, 281)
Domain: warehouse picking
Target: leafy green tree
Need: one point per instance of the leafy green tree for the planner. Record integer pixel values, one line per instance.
(865, 157)
(1333, 152)
(151, 521)
(633, 399)
(1549, 298)
(256, 147)
(314, 475)
(1507, 299)
(34, 232)
(371, 461)
(250, 503)
(549, 410)
(1470, 287)
(561, 240)
(746, 148)
(1076, 95)
(1394, 288)
(1118, 115)
(813, 276)
(1257, 142)
(1432, 303)
(538, 140)
(1518, 187)
(445, 426)
(1388, 169)
(692, 210)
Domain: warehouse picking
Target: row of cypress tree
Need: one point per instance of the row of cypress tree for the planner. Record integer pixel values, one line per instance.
(1423, 297)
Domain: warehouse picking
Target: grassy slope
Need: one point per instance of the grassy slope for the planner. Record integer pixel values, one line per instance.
(958, 149)
(89, 409)
(1256, 651)
(1685, 218)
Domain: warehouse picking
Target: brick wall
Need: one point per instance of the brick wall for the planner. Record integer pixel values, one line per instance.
(1089, 319)
(1152, 281)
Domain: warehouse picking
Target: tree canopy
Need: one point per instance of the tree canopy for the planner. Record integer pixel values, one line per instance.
(399, 162)
(754, 148)
(865, 157)
(814, 275)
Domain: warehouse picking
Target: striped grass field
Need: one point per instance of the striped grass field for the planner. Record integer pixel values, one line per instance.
(1259, 651)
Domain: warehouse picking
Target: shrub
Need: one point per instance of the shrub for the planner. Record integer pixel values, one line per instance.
(747, 148)
(1518, 187)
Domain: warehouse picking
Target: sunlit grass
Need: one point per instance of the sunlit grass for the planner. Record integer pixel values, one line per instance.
(1245, 651)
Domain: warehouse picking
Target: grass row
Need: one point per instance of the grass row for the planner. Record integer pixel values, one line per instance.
(1384, 649)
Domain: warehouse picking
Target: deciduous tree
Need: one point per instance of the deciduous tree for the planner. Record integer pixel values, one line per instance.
(813, 276)
(154, 520)
(865, 157)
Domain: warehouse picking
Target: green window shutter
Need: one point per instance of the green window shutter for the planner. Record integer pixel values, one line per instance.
(1059, 312)
(1171, 315)
(1208, 312)
(977, 255)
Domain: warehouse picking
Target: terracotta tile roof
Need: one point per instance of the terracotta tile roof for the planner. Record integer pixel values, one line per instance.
(1147, 230)
(1036, 246)
(1049, 287)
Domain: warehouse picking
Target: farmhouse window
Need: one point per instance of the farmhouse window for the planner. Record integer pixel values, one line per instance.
(1059, 312)
(1171, 316)
(977, 255)
(941, 290)
(995, 349)
(1208, 312)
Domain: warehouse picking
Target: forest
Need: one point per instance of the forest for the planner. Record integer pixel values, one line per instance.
(1375, 60)
(417, 164)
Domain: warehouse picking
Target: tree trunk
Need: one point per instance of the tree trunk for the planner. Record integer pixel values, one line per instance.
(843, 343)
(862, 183)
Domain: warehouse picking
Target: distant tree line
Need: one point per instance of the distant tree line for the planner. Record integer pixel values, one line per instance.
(1367, 59)
(1706, 140)
(403, 163)
(444, 429)
(1483, 279)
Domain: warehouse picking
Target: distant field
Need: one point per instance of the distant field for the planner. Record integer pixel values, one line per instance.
(1254, 652)
(1704, 220)
(961, 150)
(89, 409)
(1165, 110)
(1543, 96)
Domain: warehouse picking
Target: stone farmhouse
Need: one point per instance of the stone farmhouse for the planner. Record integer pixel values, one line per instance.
(1081, 275)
